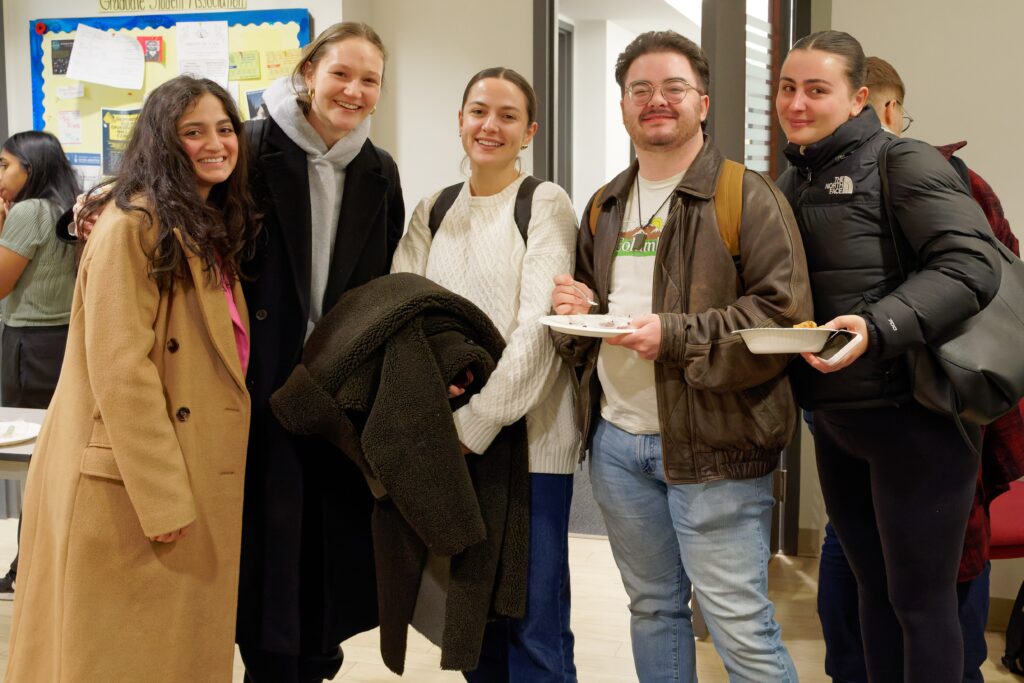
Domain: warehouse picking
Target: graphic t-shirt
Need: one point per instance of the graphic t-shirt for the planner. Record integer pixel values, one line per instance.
(629, 400)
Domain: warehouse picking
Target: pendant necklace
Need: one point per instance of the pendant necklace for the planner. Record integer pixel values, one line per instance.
(641, 237)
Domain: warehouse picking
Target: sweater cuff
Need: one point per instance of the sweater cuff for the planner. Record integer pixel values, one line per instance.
(475, 433)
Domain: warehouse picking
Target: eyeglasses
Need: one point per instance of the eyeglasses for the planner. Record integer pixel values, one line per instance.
(673, 90)
(907, 118)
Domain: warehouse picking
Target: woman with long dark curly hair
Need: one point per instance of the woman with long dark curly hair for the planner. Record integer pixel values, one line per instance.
(133, 506)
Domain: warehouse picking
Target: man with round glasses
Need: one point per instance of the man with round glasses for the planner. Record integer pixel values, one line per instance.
(683, 424)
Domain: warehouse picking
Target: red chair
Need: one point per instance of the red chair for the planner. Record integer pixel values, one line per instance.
(1007, 542)
(1007, 514)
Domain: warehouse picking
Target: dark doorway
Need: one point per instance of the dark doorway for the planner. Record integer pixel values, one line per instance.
(563, 112)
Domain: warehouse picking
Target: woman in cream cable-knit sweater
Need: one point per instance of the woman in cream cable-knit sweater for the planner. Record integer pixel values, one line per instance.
(479, 253)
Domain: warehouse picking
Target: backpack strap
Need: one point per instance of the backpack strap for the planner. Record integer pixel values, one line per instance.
(729, 206)
(523, 210)
(524, 204)
(441, 205)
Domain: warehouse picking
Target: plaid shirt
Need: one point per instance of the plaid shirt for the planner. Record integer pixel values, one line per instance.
(1002, 454)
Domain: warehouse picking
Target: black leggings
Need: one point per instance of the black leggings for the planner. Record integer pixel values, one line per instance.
(898, 485)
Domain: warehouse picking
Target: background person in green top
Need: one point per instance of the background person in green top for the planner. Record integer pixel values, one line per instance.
(37, 274)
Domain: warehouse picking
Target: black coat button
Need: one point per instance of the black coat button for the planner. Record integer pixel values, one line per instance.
(261, 314)
(183, 414)
(172, 345)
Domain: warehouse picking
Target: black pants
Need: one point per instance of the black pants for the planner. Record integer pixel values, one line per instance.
(29, 369)
(262, 666)
(898, 485)
(32, 357)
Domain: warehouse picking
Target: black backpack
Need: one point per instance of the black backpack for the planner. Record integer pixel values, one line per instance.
(523, 210)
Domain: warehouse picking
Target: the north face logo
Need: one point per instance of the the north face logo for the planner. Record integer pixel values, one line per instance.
(841, 185)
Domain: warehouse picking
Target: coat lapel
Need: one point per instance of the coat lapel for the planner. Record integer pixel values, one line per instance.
(216, 317)
(286, 175)
(363, 199)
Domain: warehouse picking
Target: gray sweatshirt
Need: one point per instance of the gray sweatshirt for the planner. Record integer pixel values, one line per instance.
(326, 179)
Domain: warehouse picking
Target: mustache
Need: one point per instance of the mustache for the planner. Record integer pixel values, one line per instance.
(659, 112)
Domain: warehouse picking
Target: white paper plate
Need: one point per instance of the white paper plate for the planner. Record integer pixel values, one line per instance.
(12, 433)
(587, 325)
(785, 339)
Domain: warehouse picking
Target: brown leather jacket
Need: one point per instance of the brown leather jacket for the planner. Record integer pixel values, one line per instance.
(724, 412)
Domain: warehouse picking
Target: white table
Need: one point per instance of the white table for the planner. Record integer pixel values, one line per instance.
(14, 459)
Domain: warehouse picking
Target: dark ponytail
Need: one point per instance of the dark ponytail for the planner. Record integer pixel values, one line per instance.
(843, 45)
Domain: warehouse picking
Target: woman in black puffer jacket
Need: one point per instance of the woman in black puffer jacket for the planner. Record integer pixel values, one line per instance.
(897, 480)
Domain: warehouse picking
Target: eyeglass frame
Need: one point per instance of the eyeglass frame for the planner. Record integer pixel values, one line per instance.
(687, 87)
(906, 117)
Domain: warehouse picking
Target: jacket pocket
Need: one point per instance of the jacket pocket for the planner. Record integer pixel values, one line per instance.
(98, 461)
(762, 417)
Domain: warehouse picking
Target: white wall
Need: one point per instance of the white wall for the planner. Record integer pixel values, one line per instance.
(18, 14)
(435, 47)
(962, 76)
(600, 143)
(963, 82)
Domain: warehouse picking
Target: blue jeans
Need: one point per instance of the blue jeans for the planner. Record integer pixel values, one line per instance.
(665, 538)
(539, 647)
(840, 623)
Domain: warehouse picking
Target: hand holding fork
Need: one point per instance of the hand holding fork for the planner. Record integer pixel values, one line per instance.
(571, 297)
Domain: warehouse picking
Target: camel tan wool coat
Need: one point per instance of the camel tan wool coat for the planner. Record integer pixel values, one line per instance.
(146, 434)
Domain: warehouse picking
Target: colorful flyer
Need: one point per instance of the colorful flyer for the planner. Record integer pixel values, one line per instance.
(281, 62)
(86, 168)
(152, 48)
(254, 100)
(117, 128)
(244, 66)
(60, 54)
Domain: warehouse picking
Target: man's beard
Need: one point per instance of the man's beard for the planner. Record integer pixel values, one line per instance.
(686, 128)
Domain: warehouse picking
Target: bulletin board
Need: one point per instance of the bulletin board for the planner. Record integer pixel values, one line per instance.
(92, 119)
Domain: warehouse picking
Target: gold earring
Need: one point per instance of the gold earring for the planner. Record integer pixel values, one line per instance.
(311, 93)
(373, 111)
(524, 147)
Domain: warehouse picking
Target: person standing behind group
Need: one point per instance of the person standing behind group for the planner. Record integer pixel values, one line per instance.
(133, 504)
(37, 274)
(898, 480)
(684, 424)
(1002, 458)
(37, 271)
(333, 215)
(479, 253)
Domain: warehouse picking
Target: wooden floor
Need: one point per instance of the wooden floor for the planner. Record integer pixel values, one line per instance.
(600, 621)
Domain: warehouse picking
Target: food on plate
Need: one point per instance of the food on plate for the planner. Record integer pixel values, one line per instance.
(806, 324)
(613, 322)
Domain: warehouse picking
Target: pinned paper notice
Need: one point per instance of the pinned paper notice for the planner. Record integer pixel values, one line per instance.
(117, 130)
(71, 92)
(203, 50)
(69, 127)
(282, 62)
(244, 66)
(106, 58)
